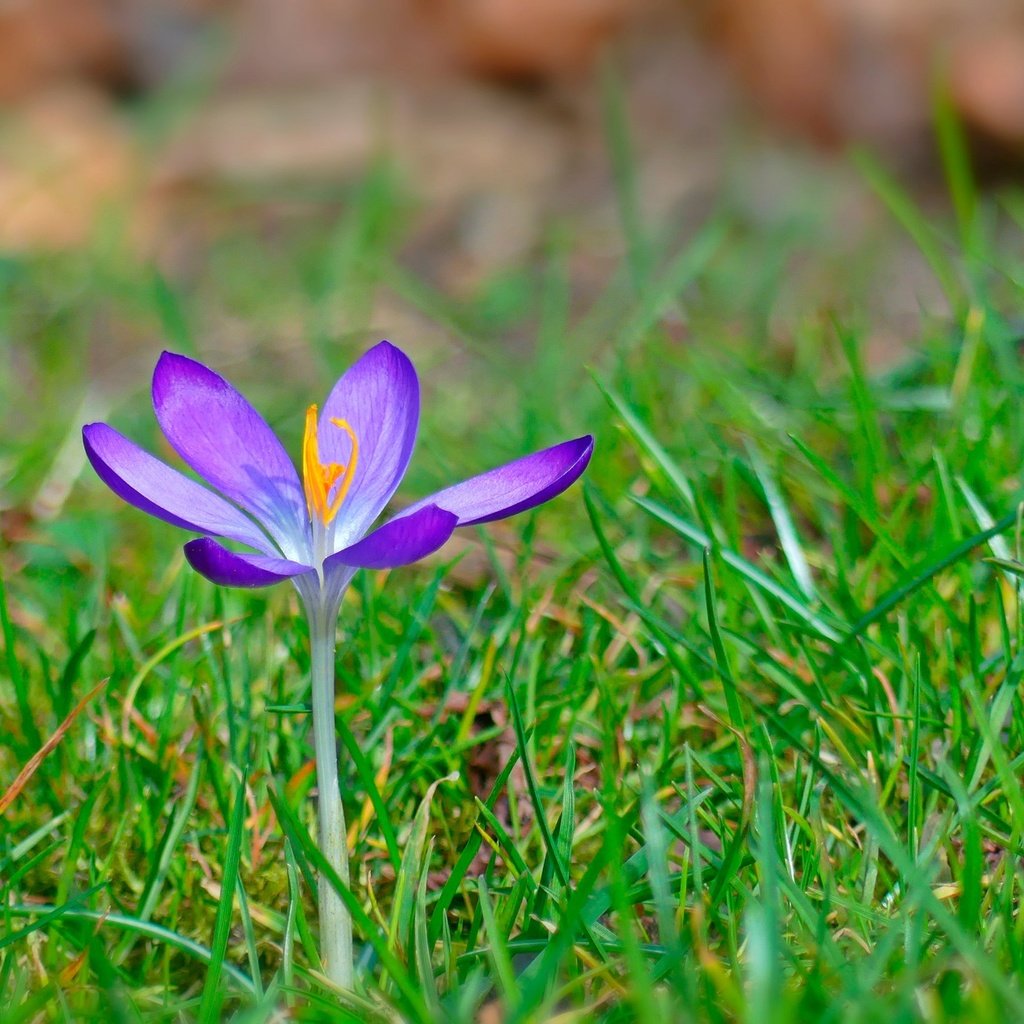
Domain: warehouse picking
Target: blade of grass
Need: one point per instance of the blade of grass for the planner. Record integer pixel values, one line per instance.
(784, 526)
(213, 993)
(147, 929)
(33, 739)
(408, 989)
(698, 538)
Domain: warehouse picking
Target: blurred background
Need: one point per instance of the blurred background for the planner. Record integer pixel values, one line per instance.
(490, 107)
(275, 185)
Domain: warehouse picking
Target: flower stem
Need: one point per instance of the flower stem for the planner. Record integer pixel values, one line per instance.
(335, 920)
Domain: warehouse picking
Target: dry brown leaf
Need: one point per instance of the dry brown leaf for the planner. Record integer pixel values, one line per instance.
(26, 773)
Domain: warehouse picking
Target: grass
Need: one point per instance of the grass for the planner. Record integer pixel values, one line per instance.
(731, 733)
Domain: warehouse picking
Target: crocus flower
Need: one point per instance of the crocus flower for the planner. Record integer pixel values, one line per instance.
(316, 531)
(354, 455)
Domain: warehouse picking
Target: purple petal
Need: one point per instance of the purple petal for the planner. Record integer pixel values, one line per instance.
(147, 483)
(226, 441)
(516, 486)
(379, 397)
(398, 542)
(231, 569)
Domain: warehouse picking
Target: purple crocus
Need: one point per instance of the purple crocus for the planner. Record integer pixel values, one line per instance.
(317, 531)
(312, 531)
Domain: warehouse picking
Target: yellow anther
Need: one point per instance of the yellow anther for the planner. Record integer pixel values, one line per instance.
(319, 479)
(347, 472)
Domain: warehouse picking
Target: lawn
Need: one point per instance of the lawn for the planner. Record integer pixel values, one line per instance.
(731, 731)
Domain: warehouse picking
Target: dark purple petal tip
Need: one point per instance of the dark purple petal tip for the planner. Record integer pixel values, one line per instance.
(516, 486)
(399, 541)
(231, 569)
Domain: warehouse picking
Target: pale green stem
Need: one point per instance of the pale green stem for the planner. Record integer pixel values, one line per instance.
(335, 920)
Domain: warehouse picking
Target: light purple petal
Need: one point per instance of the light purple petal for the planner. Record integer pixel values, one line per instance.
(226, 441)
(398, 542)
(379, 397)
(147, 483)
(516, 486)
(231, 569)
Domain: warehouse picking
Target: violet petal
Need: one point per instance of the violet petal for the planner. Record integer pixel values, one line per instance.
(514, 487)
(226, 441)
(379, 398)
(398, 542)
(232, 569)
(147, 483)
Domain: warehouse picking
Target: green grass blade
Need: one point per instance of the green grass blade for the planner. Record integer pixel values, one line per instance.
(213, 994)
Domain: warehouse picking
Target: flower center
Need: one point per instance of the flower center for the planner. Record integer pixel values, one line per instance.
(321, 480)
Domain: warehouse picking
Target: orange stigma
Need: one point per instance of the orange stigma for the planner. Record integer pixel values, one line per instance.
(319, 479)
